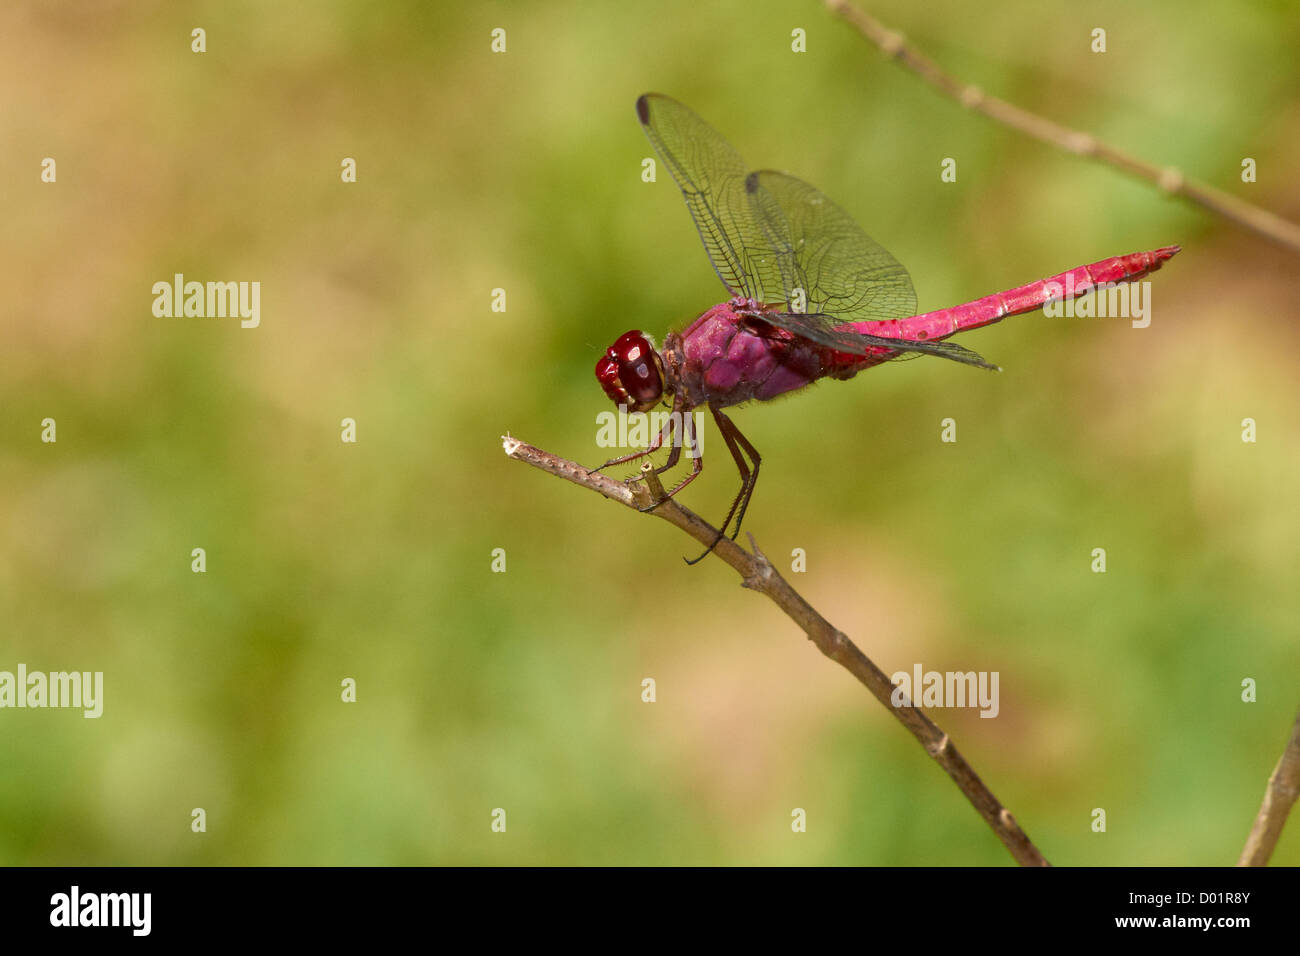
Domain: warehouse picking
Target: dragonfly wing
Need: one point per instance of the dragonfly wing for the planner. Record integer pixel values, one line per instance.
(830, 330)
(842, 270)
(833, 274)
(711, 176)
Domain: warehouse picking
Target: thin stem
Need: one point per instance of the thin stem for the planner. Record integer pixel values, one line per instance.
(1280, 795)
(758, 574)
(1171, 180)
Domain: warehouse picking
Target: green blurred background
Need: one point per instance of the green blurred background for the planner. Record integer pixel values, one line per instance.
(521, 690)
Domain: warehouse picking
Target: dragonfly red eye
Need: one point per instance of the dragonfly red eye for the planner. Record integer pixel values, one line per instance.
(630, 372)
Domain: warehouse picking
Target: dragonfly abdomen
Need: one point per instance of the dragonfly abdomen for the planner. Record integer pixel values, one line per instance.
(931, 326)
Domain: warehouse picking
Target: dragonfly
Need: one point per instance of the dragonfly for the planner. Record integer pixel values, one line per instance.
(811, 297)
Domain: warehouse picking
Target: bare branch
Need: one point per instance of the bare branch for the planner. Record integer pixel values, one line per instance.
(757, 573)
(1171, 180)
(1283, 788)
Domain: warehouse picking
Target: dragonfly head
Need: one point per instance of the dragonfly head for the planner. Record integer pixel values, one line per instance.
(631, 372)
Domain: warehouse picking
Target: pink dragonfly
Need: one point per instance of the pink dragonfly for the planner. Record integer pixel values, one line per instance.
(811, 297)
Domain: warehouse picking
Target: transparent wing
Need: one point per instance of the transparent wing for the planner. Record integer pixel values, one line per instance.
(711, 176)
(820, 250)
(832, 273)
(775, 239)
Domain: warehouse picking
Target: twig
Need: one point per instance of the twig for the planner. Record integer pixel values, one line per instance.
(1283, 788)
(757, 573)
(1168, 178)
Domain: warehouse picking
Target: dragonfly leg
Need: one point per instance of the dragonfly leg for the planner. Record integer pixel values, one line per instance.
(748, 476)
(756, 459)
(650, 449)
(674, 444)
(686, 437)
